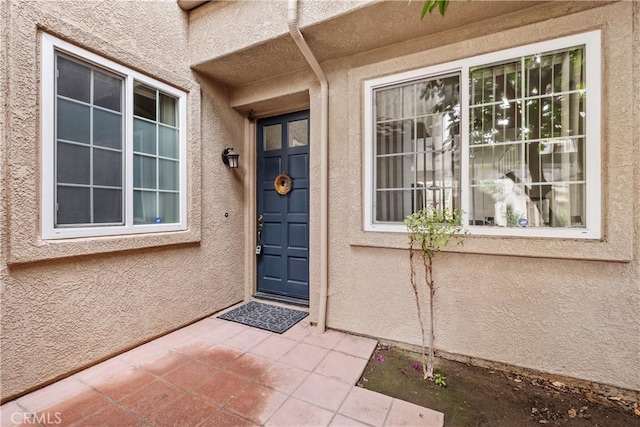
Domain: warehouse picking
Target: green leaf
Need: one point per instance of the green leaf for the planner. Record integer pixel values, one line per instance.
(430, 5)
(444, 4)
(425, 9)
(431, 229)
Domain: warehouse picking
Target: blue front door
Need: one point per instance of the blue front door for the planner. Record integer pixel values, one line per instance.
(283, 207)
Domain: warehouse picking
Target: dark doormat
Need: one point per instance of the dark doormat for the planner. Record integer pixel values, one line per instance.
(265, 316)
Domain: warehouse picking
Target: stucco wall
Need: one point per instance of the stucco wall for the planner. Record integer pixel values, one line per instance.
(561, 306)
(66, 304)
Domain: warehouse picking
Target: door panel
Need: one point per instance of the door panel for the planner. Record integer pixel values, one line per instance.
(283, 262)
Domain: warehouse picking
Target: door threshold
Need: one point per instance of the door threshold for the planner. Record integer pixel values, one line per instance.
(281, 298)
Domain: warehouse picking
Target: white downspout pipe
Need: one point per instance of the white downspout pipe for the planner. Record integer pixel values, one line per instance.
(294, 30)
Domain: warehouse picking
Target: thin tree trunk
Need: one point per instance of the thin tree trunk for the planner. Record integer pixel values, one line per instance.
(414, 286)
(432, 290)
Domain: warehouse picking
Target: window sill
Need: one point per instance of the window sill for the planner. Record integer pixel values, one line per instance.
(47, 250)
(529, 247)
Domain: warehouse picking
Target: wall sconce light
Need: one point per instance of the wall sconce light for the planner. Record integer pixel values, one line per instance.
(230, 158)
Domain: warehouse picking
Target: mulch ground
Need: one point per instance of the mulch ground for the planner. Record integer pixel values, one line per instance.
(476, 396)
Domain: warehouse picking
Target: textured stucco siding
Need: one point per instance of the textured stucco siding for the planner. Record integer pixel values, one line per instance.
(69, 303)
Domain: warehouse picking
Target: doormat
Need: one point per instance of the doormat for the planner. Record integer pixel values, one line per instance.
(265, 316)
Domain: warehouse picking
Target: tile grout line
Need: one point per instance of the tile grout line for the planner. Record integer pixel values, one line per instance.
(111, 402)
(386, 418)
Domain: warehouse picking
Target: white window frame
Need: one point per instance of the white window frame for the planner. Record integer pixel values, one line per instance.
(593, 227)
(50, 45)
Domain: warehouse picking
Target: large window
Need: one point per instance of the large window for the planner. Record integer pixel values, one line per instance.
(510, 138)
(113, 153)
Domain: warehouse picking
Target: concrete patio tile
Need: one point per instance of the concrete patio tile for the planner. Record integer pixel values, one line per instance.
(226, 331)
(304, 356)
(257, 403)
(322, 391)
(125, 384)
(112, 415)
(194, 346)
(357, 346)
(407, 414)
(224, 418)
(146, 353)
(221, 387)
(13, 415)
(173, 339)
(343, 367)
(209, 331)
(203, 327)
(274, 347)
(342, 421)
(366, 406)
(185, 411)
(104, 371)
(147, 401)
(328, 339)
(249, 366)
(247, 339)
(166, 363)
(299, 331)
(283, 377)
(75, 409)
(190, 375)
(218, 356)
(53, 394)
(297, 413)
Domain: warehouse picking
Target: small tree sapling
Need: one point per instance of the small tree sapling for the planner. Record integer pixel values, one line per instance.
(430, 231)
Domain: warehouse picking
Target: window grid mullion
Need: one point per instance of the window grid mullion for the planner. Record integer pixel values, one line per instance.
(414, 146)
(157, 154)
(523, 144)
(128, 152)
(91, 127)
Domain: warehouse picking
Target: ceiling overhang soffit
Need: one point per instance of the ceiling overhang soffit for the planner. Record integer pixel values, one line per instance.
(365, 29)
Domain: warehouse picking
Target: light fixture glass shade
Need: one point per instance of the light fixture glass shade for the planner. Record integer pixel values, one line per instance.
(230, 158)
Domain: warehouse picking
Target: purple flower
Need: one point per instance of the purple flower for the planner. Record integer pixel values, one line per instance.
(380, 358)
(416, 366)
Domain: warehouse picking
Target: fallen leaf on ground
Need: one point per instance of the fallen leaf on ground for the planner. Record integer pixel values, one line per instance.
(637, 412)
(558, 384)
(572, 413)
